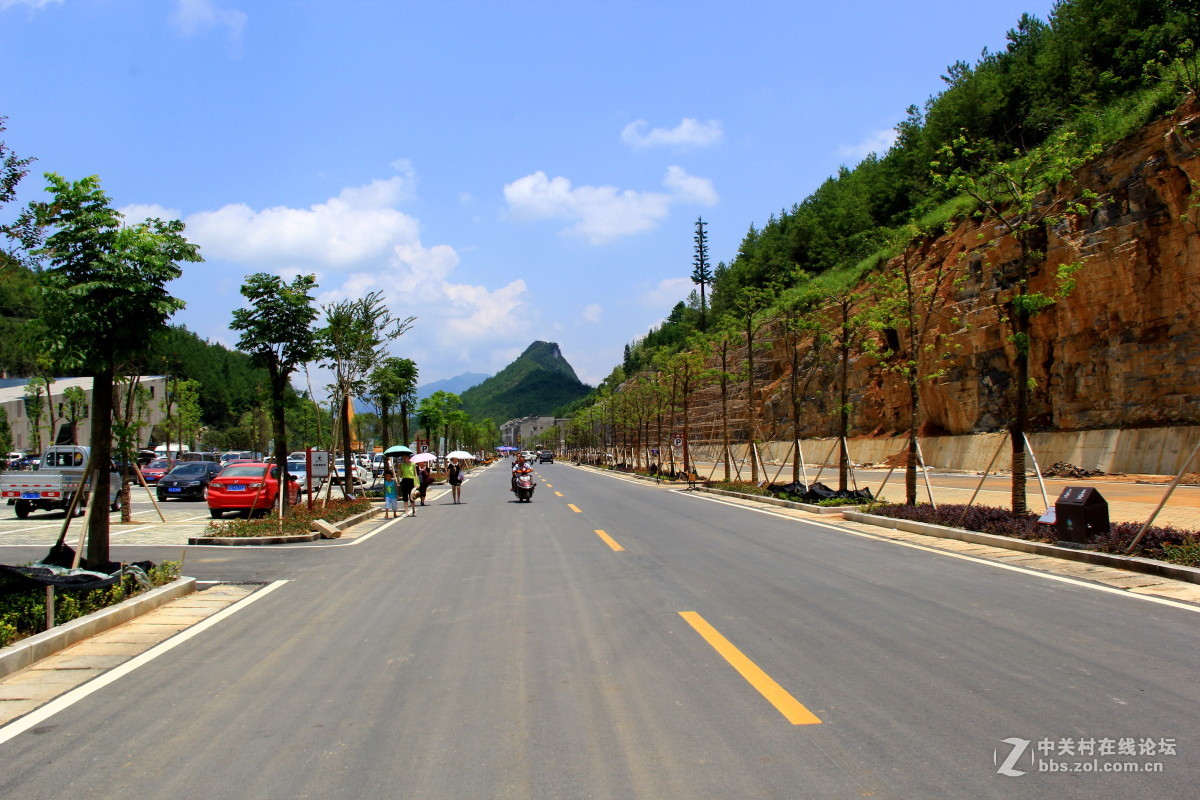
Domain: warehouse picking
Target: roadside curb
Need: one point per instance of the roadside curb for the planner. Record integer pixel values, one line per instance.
(1147, 566)
(34, 648)
(244, 541)
(775, 501)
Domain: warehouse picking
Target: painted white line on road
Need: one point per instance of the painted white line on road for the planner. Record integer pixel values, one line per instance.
(33, 718)
(999, 565)
(49, 526)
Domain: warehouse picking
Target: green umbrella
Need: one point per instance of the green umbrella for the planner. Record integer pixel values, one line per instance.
(397, 450)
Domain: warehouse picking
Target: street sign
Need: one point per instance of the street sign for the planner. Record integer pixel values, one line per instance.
(678, 441)
(319, 468)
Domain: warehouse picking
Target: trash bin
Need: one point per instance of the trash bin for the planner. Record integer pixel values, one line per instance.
(1081, 514)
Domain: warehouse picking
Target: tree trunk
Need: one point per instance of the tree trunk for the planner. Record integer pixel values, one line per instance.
(101, 443)
(750, 404)
(844, 412)
(279, 426)
(347, 454)
(910, 472)
(1017, 434)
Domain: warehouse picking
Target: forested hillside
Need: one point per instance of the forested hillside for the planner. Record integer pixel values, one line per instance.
(538, 382)
(1098, 69)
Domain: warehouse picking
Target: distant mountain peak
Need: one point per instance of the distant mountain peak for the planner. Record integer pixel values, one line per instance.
(538, 382)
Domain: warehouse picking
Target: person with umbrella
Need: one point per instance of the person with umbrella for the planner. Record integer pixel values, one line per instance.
(408, 479)
(423, 462)
(454, 476)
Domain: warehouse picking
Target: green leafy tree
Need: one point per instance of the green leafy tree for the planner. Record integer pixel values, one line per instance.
(75, 406)
(913, 301)
(750, 308)
(12, 170)
(431, 415)
(99, 275)
(807, 345)
(129, 417)
(1020, 198)
(278, 335)
(352, 342)
(392, 385)
(34, 391)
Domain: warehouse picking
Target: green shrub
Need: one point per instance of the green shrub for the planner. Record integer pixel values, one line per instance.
(23, 612)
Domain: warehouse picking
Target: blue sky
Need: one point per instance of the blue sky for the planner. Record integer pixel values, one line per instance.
(505, 172)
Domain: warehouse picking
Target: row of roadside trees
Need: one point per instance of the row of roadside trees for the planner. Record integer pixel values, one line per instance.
(896, 310)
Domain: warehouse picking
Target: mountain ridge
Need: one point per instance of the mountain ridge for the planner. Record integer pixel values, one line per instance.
(537, 383)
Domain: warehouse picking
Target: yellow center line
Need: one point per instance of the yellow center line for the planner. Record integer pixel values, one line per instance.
(573, 508)
(558, 494)
(790, 707)
(609, 541)
(549, 485)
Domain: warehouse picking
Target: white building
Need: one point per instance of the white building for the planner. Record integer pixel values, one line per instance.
(16, 406)
(524, 432)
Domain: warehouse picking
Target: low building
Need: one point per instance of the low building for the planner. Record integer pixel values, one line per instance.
(526, 432)
(55, 422)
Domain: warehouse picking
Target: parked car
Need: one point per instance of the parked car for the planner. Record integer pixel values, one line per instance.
(377, 463)
(187, 480)
(154, 471)
(231, 456)
(250, 488)
(298, 469)
(358, 474)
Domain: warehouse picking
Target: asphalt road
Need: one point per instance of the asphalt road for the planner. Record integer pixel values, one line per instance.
(690, 650)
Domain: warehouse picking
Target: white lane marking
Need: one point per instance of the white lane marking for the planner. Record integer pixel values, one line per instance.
(63, 702)
(998, 564)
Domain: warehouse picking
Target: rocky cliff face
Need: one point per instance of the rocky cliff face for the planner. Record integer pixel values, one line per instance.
(1120, 351)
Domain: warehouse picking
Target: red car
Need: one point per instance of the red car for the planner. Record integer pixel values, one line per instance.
(249, 488)
(154, 471)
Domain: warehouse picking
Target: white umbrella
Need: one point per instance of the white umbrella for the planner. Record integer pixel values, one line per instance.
(422, 457)
(461, 454)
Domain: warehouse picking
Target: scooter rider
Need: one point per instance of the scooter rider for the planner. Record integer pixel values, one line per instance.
(519, 466)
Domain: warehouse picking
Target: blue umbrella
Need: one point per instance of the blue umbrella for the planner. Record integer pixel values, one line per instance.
(397, 450)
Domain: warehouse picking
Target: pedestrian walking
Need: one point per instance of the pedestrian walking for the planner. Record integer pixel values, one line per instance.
(390, 493)
(454, 476)
(408, 480)
(424, 478)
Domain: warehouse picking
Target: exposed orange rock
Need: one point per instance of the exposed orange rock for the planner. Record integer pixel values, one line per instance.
(1120, 351)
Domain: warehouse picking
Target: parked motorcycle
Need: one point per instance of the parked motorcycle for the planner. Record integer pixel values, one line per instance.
(523, 486)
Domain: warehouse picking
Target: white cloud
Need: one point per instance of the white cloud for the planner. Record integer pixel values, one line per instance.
(356, 243)
(592, 312)
(876, 142)
(688, 133)
(196, 17)
(603, 213)
(667, 293)
(140, 212)
(355, 230)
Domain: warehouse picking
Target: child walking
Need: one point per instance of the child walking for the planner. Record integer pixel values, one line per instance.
(390, 493)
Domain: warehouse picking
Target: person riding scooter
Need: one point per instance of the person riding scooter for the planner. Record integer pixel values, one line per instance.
(522, 470)
(519, 466)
